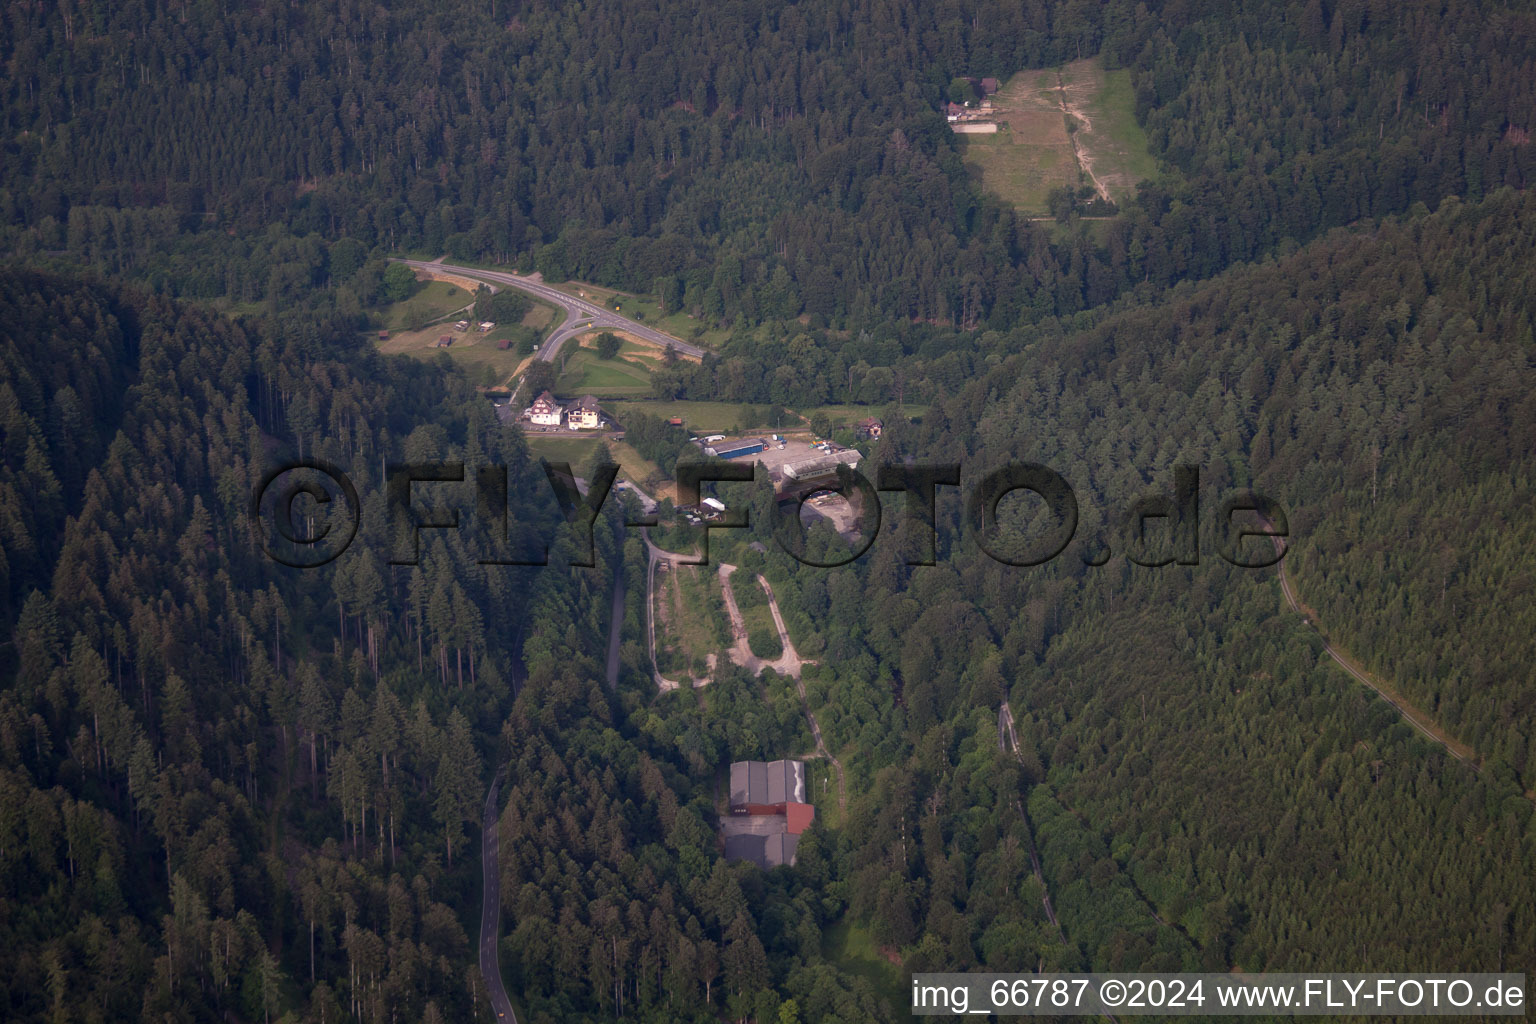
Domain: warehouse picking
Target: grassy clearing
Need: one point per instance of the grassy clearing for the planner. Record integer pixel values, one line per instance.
(586, 373)
(845, 415)
(1115, 145)
(699, 417)
(435, 300)
(854, 949)
(539, 316)
(475, 352)
(1019, 174)
(472, 350)
(691, 612)
(637, 469)
(577, 450)
(1033, 152)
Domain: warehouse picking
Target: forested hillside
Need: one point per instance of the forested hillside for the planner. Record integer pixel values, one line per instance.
(750, 162)
(1202, 780)
(233, 789)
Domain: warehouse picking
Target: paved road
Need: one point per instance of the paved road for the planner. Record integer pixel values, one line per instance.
(490, 908)
(580, 315)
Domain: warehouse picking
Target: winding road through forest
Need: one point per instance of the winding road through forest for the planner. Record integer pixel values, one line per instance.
(581, 315)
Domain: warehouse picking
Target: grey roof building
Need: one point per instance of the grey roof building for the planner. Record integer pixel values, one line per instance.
(759, 787)
(765, 851)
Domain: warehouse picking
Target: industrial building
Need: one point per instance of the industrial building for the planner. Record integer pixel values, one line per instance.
(819, 465)
(768, 851)
(759, 787)
(772, 794)
(736, 449)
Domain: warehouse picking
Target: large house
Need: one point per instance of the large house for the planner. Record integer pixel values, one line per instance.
(545, 411)
(586, 414)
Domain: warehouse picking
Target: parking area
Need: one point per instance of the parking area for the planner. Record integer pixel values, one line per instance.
(834, 508)
(775, 457)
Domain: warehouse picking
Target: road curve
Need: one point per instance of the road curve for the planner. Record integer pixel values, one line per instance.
(580, 315)
(490, 907)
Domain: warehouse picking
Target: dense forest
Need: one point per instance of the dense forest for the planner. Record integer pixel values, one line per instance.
(1375, 385)
(750, 162)
(233, 789)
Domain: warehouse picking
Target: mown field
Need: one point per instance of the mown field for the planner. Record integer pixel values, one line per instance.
(434, 300)
(470, 348)
(1033, 153)
(627, 374)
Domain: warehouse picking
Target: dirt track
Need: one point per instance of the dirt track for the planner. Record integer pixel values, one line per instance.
(788, 663)
(1074, 114)
(1427, 726)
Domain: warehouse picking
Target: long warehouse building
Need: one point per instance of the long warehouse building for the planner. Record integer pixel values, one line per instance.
(735, 449)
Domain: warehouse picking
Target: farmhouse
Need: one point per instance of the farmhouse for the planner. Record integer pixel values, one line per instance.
(586, 414)
(870, 428)
(545, 411)
(486, 326)
(990, 86)
(444, 340)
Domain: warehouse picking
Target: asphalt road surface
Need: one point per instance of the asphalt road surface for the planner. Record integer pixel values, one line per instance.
(490, 908)
(580, 315)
